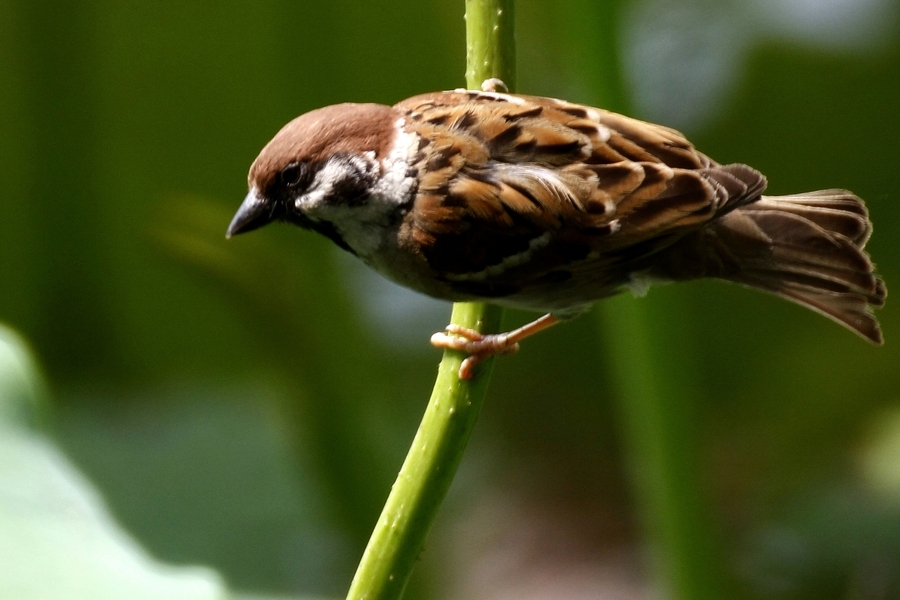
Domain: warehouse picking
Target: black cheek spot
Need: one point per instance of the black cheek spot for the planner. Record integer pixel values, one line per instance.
(351, 192)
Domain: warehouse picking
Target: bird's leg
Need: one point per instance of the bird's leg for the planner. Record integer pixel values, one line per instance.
(480, 346)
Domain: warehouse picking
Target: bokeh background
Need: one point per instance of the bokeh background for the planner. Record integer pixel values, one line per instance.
(185, 416)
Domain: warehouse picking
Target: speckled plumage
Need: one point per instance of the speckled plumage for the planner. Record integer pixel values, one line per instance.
(547, 205)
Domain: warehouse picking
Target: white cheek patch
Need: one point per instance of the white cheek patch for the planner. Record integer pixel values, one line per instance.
(357, 227)
(392, 181)
(320, 189)
(364, 225)
(320, 203)
(320, 193)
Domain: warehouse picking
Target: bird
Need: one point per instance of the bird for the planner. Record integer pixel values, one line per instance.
(546, 205)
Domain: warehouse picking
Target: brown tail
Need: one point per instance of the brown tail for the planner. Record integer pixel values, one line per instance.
(807, 248)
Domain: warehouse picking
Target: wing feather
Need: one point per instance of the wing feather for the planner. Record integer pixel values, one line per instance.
(520, 167)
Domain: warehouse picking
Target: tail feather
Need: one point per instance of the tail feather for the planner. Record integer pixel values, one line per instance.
(847, 309)
(836, 211)
(807, 248)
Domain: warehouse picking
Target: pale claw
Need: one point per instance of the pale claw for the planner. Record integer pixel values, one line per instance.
(477, 345)
(480, 346)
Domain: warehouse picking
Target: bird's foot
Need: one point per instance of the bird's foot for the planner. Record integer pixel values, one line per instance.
(478, 346)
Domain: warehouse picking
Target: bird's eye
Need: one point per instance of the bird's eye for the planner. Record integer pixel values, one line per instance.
(292, 174)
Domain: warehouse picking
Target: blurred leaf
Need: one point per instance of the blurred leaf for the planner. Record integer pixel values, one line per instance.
(23, 392)
(57, 540)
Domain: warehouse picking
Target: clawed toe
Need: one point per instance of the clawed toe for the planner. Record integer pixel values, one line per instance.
(480, 346)
(441, 339)
(477, 345)
(464, 332)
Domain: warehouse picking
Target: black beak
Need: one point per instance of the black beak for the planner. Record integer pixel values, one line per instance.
(253, 214)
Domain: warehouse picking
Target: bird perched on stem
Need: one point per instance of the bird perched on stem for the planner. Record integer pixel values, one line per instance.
(545, 205)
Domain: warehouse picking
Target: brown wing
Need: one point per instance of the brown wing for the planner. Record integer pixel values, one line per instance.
(511, 180)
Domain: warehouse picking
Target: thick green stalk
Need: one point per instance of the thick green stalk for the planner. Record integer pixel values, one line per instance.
(452, 411)
(490, 42)
(426, 473)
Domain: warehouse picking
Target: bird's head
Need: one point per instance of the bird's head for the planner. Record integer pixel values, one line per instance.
(320, 171)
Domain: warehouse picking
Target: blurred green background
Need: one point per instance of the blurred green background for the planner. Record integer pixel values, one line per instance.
(245, 405)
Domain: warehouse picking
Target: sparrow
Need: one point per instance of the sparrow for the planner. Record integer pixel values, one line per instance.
(541, 204)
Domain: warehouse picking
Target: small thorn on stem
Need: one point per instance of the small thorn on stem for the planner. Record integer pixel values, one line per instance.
(494, 85)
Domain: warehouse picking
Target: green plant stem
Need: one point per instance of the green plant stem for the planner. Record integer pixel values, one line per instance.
(426, 473)
(490, 42)
(452, 411)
